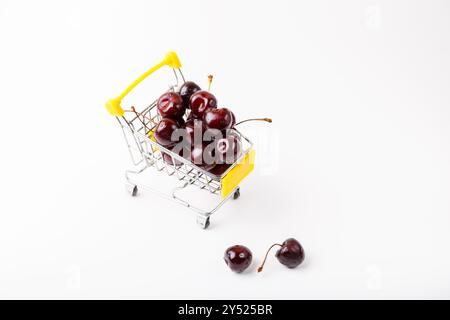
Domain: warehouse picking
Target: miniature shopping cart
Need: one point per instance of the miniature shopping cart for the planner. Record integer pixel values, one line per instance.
(145, 152)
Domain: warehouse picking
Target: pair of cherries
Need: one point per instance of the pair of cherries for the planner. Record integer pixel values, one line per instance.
(291, 254)
(205, 116)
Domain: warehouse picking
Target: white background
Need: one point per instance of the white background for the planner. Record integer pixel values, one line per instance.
(356, 164)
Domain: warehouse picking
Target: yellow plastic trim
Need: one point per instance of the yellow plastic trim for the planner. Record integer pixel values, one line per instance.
(237, 174)
(151, 135)
(113, 105)
(114, 108)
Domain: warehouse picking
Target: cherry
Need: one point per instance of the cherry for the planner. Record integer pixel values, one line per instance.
(168, 159)
(203, 156)
(219, 119)
(192, 125)
(191, 116)
(219, 169)
(228, 149)
(291, 254)
(180, 121)
(186, 91)
(164, 130)
(180, 149)
(170, 105)
(200, 102)
(238, 258)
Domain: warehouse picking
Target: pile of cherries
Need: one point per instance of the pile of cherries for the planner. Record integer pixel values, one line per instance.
(206, 137)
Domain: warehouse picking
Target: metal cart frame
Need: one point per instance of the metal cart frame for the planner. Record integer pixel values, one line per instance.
(145, 152)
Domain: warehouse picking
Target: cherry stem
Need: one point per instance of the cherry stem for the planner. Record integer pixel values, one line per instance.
(255, 119)
(210, 79)
(140, 114)
(265, 258)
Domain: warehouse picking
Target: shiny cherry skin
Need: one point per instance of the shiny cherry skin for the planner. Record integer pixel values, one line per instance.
(291, 253)
(238, 258)
(200, 102)
(228, 149)
(170, 105)
(219, 118)
(164, 130)
(187, 89)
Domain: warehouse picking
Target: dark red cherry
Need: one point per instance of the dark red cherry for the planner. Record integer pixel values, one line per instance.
(170, 105)
(219, 119)
(202, 156)
(181, 150)
(291, 254)
(181, 122)
(228, 149)
(238, 258)
(187, 89)
(219, 169)
(191, 126)
(164, 130)
(201, 101)
(191, 116)
(171, 160)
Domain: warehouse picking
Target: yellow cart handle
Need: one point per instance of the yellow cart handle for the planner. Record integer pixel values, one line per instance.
(113, 105)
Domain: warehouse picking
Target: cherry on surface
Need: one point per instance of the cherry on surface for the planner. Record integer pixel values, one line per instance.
(238, 258)
(290, 254)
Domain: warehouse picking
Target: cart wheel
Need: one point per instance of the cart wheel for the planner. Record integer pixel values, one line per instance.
(203, 222)
(132, 189)
(236, 194)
